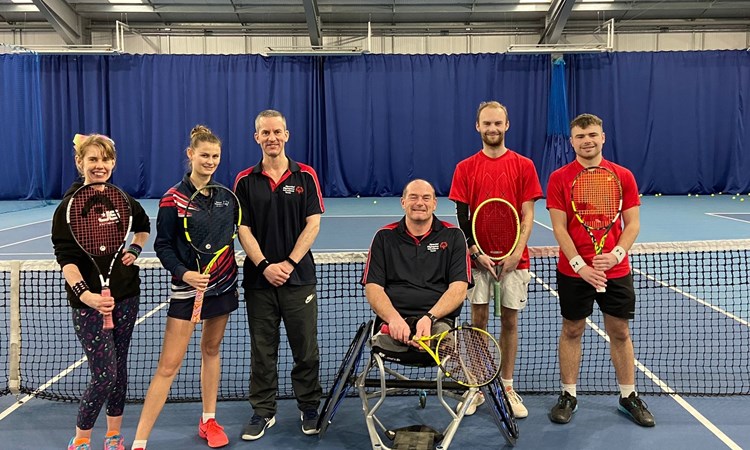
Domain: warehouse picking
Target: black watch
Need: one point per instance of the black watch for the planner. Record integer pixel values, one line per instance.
(475, 256)
(432, 317)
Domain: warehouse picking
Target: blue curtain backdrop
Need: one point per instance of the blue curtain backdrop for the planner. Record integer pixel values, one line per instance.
(392, 118)
(557, 149)
(678, 120)
(370, 123)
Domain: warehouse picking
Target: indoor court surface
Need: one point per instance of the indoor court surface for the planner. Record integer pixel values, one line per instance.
(684, 421)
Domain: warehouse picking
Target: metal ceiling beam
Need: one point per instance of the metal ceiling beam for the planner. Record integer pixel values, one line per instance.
(65, 21)
(558, 16)
(312, 15)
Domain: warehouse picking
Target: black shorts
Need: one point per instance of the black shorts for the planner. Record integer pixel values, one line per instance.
(577, 297)
(213, 306)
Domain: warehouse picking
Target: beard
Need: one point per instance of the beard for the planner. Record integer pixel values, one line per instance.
(495, 141)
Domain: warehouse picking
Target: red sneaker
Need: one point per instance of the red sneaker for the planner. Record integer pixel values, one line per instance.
(213, 433)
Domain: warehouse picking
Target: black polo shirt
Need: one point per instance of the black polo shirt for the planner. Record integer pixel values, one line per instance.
(276, 213)
(416, 271)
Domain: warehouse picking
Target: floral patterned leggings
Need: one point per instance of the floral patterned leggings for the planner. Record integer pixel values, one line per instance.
(107, 353)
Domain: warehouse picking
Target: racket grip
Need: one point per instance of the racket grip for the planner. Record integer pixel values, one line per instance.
(498, 297)
(108, 323)
(197, 307)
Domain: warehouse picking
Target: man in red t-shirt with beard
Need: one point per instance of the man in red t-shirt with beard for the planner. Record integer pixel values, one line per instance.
(497, 172)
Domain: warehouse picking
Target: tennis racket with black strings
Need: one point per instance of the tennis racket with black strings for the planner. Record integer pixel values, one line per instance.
(211, 221)
(596, 196)
(99, 218)
(496, 229)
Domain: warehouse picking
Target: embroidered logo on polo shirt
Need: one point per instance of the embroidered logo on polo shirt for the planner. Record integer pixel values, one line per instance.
(290, 189)
(435, 246)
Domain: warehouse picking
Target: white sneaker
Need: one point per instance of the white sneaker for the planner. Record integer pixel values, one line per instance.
(516, 403)
(478, 400)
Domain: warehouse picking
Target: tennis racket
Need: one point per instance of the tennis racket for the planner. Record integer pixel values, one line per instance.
(596, 196)
(496, 229)
(99, 219)
(468, 355)
(211, 220)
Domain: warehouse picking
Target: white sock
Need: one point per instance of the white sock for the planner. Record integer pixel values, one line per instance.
(207, 416)
(139, 444)
(507, 384)
(569, 388)
(626, 390)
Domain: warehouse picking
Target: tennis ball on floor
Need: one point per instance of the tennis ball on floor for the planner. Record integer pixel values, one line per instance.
(696, 195)
(640, 195)
(712, 195)
(374, 202)
(734, 198)
(357, 195)
(742, 199)
(690, 195)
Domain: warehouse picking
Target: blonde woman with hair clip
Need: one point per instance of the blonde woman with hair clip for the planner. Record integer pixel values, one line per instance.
(106, 350)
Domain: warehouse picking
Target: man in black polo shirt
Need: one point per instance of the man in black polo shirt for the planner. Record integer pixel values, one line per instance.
(416, 268)
(281, 207)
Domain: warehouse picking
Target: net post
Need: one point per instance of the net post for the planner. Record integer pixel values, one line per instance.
(14, 347)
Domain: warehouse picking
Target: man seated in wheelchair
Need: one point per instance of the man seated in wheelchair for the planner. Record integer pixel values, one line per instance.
(417, 273)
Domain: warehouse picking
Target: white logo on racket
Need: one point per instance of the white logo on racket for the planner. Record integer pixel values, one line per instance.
(208, 246)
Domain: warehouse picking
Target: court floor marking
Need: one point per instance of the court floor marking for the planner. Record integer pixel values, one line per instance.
(25, 225)
(658, 381)
(69, 369)
(726, 216)
(25, 240)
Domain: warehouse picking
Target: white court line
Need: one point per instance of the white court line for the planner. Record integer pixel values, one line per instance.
(721, 216)
(662, 385)
(25, 225)
(25, 240)
(66, 371)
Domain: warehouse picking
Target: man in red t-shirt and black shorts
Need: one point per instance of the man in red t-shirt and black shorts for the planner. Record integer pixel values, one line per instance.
(497, 172)
(580, 272)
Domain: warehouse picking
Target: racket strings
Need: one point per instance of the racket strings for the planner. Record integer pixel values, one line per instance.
(596, 198)
(469, 356)
(495, 229)
(99, 219)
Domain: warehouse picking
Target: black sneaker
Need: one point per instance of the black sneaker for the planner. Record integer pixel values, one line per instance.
(564, 409)
(636, 408)
(257, 426)
(310, 421)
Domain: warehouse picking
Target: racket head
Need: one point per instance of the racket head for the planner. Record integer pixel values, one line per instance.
(99, 218)
(471, 356)
(596, 197)
(211, 219)
(496, 228)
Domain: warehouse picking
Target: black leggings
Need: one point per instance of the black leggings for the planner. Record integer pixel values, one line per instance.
(107, 353)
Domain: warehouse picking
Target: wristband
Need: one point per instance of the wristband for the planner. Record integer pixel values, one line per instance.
(263, 265)
(577, 263)
(475, 256)
(619, 253)
(79, 288)
(432, 317)
(135, 249)
(291, 261)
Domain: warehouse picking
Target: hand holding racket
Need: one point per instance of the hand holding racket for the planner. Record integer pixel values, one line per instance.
(468, 355)
(596, 196)
(212, 218)
(496, 229)
(99, 218)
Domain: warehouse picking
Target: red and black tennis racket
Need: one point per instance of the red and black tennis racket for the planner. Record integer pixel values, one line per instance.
(496, 229)
(211, 221)
(99, 219)
(596, 196)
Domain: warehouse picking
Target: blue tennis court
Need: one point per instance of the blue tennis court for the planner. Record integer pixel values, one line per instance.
(691, 336)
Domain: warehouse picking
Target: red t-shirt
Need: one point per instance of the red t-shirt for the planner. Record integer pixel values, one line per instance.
(511, 177)
(558, 197)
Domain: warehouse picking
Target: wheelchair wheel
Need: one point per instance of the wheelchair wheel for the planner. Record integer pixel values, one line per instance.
(344, 377)
(501, 411)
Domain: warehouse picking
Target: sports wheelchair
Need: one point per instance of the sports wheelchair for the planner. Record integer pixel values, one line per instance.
(373, 390)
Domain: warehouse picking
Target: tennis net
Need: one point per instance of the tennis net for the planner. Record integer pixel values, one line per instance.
(691, 331)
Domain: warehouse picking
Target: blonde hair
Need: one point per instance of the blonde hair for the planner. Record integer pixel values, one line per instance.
(82, 141)
(492, 104)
